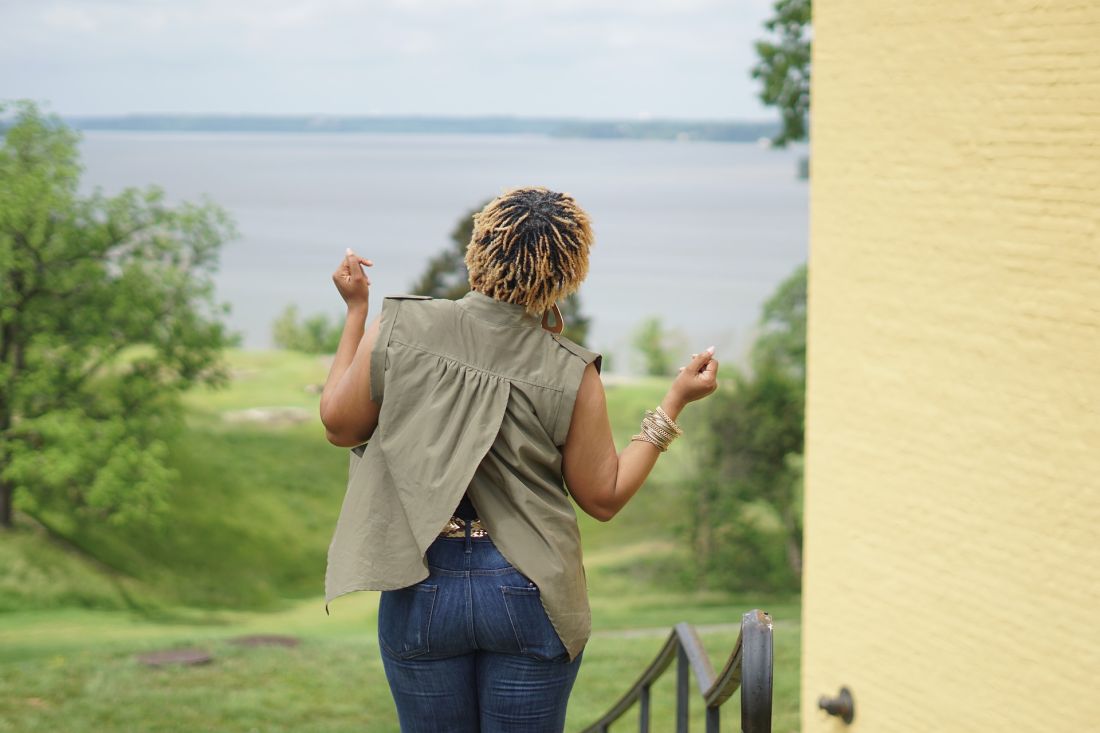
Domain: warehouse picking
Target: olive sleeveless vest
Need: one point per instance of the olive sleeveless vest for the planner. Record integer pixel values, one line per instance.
(475, 396)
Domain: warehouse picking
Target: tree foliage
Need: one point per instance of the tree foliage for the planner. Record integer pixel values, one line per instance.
(784, 67)
(746, 525)
(106, 315)
(446, 276)
(313, 335)
(660, 350)
(780, 344)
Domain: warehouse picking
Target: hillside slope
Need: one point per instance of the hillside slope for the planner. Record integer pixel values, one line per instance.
(258, 496)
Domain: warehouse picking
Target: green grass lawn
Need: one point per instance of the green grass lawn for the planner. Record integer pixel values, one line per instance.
(244, 552)
(76, 671)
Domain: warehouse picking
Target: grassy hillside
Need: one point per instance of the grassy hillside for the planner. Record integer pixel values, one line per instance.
(254, 510)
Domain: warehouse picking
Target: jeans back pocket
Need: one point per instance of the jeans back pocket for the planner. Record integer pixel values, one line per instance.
(534, 632)
(405, 619)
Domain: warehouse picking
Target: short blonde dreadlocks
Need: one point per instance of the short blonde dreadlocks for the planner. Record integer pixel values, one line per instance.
(530, 246)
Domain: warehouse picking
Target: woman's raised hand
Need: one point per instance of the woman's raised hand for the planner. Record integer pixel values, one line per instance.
(698, 379)
(351, 280)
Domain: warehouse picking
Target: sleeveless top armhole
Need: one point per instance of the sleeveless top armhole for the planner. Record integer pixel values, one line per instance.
(572, 379)
(386, 319)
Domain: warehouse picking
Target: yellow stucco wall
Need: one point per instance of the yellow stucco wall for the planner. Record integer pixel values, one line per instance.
(952, 573)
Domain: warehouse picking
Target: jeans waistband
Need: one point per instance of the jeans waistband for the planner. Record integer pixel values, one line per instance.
(465, 553)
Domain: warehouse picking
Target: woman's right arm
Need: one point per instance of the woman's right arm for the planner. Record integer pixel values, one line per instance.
(600, 479)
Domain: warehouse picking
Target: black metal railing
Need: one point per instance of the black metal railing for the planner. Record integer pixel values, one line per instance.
(749, 668)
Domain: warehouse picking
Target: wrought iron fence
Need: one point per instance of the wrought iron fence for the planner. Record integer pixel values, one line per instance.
(749, 668)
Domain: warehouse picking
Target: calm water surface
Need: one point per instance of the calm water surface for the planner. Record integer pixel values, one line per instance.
(696, 233)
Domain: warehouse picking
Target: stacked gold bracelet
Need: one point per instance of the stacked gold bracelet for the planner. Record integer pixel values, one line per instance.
(658, 428)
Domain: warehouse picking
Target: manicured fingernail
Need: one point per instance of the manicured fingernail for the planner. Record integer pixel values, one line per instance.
(710, 349)
(349, 250)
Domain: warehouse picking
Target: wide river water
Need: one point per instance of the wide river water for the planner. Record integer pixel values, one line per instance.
(697, 233)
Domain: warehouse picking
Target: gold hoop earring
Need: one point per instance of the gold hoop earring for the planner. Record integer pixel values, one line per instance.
(559, 323)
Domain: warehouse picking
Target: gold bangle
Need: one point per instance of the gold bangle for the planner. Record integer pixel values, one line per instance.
(647, 439)
(659, 429)
(660, 446)
(671, 423)
(648, 433)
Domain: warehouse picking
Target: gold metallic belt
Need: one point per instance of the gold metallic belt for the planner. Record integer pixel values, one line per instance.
(456, 527)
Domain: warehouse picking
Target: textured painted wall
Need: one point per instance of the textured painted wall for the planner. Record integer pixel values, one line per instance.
(953, 408)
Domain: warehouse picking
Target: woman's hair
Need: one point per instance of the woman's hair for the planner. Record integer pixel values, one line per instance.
(530, 246)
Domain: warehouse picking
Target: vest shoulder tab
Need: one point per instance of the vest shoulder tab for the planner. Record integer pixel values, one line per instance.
(586, 355)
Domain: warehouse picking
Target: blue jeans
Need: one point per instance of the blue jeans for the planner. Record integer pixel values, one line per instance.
(470, 648)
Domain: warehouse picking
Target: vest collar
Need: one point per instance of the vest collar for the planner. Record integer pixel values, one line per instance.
(497, 311)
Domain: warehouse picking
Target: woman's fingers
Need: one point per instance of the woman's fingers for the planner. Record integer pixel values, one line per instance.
(352, 264)
(350, 278)
(699, 377)
(360, 260)
(698, 361)
(356, 259)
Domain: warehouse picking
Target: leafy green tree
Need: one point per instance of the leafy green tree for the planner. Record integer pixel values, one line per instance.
(446, 276)
(314, 335)
(784, 67)
(658, 348)
(106, 316)
(746, 524)
(781, 340)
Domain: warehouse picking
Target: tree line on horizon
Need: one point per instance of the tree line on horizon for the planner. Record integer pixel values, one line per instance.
(563, 127)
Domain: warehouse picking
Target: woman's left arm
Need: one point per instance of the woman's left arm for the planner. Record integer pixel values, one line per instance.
(347, 411)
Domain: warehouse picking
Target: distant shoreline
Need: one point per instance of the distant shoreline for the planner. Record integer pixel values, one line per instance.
(651, 129)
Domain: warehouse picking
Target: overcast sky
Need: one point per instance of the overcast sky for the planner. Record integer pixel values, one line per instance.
(582, 58)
